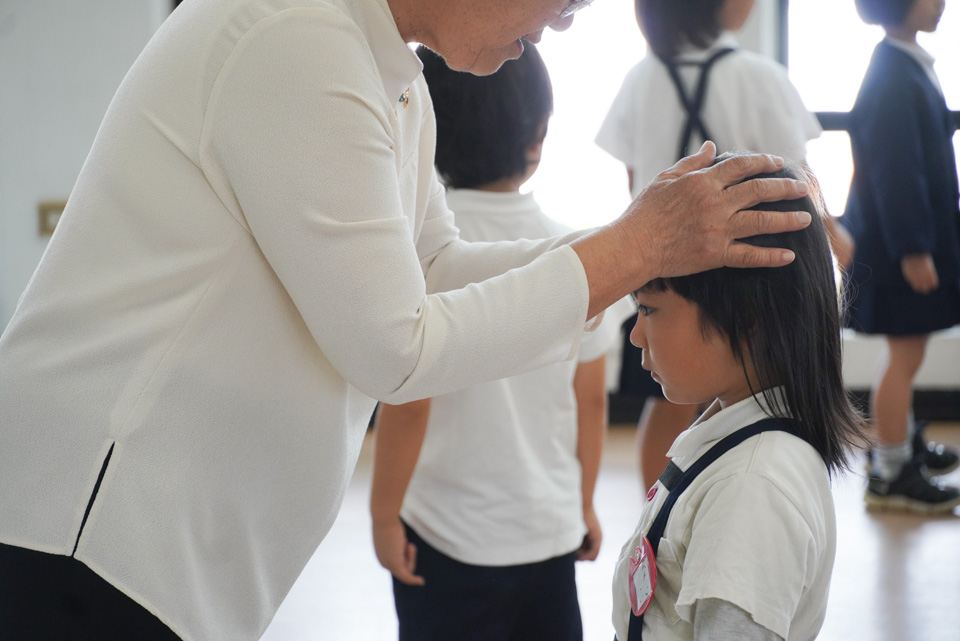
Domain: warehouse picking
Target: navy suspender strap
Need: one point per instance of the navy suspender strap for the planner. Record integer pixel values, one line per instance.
(694, 105)
(676, 481)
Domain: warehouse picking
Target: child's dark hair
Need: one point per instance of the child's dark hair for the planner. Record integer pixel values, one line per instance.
(485, 124)
(788, 318)
(887, 13)
(669, 24)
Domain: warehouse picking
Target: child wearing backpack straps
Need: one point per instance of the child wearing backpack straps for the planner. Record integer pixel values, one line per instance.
(695, 84)
(737, 538)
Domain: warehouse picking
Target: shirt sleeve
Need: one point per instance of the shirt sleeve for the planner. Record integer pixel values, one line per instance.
(752, 548)
(616, 132)
(717, 620)
(299, 143)
(598, 342)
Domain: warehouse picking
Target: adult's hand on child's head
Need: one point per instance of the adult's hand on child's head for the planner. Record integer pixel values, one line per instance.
(689, 219)
(920, 272)
(395, 552)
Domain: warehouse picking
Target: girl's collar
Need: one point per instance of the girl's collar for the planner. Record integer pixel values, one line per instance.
(922, 55)
(715, 423)
(725, 40)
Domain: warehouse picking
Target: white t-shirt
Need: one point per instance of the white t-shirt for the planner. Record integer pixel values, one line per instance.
(757, 529)
(498, 480)
(242, 268)
(750, 105)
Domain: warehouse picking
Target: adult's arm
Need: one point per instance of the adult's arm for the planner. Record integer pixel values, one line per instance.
(687, 220)
(399, 430)
(304, 150)
(299, 144)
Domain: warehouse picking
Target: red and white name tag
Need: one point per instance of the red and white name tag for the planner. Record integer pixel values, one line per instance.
(642, 577)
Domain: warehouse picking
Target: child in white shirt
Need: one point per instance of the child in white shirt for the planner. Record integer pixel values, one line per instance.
(748, 547)
(695, 82)
(494, 483)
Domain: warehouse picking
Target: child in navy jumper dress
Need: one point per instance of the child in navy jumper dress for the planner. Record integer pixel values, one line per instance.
(903, 214)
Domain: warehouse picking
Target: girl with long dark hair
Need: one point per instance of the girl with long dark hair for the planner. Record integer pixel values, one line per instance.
(750, 545)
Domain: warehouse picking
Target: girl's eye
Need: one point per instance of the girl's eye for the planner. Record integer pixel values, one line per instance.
(644, 309)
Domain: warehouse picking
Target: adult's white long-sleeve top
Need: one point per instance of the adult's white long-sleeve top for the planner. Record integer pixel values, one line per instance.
(242, 268)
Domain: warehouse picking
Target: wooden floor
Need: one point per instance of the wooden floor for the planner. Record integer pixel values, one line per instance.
(897, 576)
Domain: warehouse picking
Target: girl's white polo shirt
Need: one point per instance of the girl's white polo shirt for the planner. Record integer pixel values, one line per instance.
(756, 529)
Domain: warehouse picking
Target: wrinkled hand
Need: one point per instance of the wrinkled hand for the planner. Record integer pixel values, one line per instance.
(590, 547)
(394, 552)
(689, 218)
(920, 272)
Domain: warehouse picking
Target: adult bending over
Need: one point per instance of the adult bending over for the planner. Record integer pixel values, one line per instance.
(244, 266)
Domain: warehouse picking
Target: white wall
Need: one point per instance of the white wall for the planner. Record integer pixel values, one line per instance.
(60, 63)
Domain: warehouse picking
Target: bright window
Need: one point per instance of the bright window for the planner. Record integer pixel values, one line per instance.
(830, 48)
(578, 183)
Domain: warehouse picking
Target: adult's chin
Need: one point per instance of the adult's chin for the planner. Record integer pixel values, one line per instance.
(490, 60)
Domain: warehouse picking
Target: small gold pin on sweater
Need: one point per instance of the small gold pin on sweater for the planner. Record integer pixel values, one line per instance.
(405, 98)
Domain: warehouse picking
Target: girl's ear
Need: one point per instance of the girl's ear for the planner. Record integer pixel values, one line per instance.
(536, 147)
(535, 150)
(733, 14)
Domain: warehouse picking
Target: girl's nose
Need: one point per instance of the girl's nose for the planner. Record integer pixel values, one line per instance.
(637, 337)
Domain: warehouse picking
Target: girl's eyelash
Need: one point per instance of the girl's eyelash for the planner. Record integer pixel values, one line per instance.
(644, 309)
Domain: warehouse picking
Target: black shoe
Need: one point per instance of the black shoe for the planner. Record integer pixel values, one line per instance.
(911, 491)
(936, 458)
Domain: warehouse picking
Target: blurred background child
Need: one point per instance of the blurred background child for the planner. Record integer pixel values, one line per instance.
(482, 500)
(902, 212)
(694, 84)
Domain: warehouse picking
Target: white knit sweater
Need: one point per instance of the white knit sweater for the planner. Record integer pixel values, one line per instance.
(243, 266)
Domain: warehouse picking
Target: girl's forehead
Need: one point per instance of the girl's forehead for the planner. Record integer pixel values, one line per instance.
(650, 293)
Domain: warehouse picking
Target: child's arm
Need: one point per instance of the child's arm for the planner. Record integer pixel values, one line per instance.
(589, 386)
(716, 619)
(399, 430)
(841, 242)
(920, 272)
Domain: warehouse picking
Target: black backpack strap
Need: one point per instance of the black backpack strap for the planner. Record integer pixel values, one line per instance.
(676, 481)
(693, 105)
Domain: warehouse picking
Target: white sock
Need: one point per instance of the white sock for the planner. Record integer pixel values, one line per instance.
(888, 460)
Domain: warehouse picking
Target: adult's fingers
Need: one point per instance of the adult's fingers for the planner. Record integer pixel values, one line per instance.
(744, 255)
(700, 160)
(765, 190)
(733, 169)
(754, 223)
